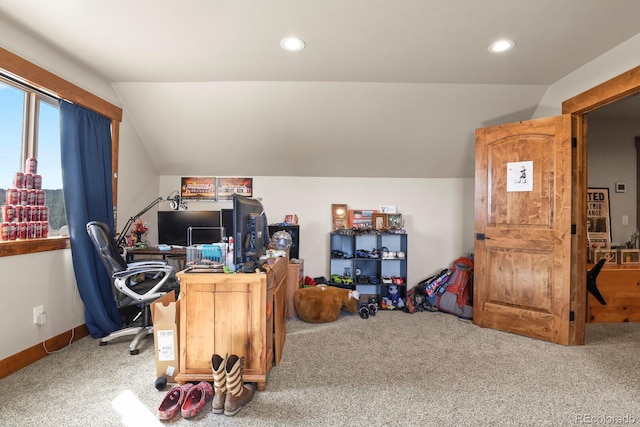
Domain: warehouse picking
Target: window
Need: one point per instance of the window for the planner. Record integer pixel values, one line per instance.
(12, 105)
(33, 76)
(30, 123)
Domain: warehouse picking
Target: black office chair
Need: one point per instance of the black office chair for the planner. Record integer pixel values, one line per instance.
(134, 284)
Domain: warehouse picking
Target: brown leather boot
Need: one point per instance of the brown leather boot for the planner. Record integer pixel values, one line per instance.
(238, 393)
(218, 366)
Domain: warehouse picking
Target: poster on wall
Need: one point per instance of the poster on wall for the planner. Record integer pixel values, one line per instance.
(227, 187)
(200, 188)
(520, 176)
(598, 218)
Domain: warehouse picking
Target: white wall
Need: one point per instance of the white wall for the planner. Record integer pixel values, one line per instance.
(611, 155)
(618, 60)
(44, 278)
(438, 214)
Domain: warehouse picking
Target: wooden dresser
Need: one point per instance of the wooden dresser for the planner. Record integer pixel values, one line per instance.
(619, 285)
(243, 314)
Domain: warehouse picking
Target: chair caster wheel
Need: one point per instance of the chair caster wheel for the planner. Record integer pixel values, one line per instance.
(134, 352)
(161, 383)
(103, 343)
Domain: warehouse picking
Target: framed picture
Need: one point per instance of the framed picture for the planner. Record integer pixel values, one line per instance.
(379, 221)
(361, 218)
(394, 221)
(611, 256)
(629, 256)
(339, 216)
(227, 187)
(598, 218)
(291, 219)
(200, 188)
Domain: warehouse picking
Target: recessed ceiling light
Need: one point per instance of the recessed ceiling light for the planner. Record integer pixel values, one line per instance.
(501, 46)
(292, 44)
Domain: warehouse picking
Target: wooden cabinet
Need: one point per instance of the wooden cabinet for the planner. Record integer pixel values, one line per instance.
(243, 314)
(295, 280)
(280, 309)
(620, 288)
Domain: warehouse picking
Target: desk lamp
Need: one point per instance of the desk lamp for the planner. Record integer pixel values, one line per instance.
(176, 203)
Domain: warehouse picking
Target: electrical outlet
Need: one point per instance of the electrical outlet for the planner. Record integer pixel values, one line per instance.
(37, 311)
(42, 319)
(625, 219)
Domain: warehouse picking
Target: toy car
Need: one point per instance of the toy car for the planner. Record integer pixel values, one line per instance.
(363, 253)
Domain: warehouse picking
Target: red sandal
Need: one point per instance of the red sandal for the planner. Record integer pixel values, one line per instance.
(196, 399)
(173, 401)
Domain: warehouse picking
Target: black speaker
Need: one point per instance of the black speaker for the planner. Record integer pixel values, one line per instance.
(227, 221)
(294, 232)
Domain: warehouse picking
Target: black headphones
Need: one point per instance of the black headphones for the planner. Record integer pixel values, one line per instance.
(175, 203)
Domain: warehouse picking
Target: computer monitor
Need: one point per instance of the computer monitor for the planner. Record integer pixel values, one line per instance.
(250, 229)
(173, 227)
(227, 220)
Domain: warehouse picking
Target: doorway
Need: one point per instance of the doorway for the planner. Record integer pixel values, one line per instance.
(553, 298)
(613, 149)
(615, 89)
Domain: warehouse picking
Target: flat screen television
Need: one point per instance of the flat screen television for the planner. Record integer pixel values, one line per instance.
(173, 227)
(250, 229)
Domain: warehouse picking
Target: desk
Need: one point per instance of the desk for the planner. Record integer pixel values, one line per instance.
(177, 254)
(619, 285)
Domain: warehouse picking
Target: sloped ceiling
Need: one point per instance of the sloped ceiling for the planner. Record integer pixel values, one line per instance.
(383, 88)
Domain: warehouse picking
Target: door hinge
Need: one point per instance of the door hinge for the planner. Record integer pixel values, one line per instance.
(574, 142)
(572, 316)
(573, 229)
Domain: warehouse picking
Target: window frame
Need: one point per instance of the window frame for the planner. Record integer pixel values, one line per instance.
(33, 101)
(32, 75)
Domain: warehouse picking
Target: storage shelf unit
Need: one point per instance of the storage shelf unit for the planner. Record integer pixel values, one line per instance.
(349, 259)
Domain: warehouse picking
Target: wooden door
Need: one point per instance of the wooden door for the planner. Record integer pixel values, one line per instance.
(522, 272)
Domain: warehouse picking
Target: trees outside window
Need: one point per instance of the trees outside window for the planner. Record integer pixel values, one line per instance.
(30, 127)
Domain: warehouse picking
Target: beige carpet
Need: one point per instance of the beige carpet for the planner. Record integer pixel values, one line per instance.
(394, 369)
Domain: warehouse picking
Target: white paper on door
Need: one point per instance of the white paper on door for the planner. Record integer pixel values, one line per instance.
(520, 176)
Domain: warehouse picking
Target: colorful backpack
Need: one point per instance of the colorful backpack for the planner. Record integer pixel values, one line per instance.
(457, 297)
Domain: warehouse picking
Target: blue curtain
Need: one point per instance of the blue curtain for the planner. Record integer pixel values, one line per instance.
(85, 139)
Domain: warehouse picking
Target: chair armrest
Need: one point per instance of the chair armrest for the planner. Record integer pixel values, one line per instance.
(145, 263)
(162, 274)
(142, 269)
